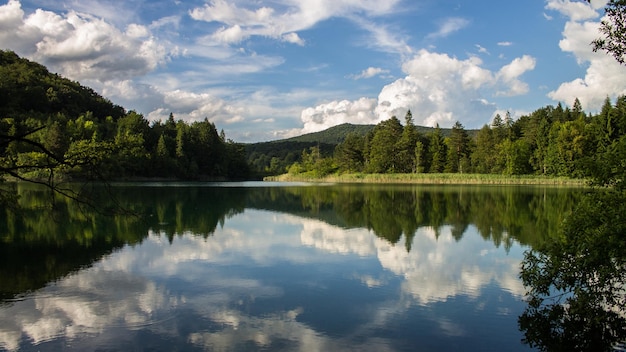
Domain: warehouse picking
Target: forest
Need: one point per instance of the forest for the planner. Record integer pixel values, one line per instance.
(54, 128)
(551, 141)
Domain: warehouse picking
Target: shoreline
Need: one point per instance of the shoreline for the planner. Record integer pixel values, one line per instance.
(434, 179)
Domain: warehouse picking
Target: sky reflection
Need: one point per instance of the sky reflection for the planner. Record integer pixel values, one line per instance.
(267, 280)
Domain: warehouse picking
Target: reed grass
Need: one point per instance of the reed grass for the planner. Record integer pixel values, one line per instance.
(444, 178)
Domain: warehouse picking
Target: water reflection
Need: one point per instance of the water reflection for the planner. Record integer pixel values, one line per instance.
(280, 269)
(577, 281)
(437, 267)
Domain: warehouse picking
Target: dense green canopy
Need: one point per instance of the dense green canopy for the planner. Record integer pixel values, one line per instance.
(52, 129)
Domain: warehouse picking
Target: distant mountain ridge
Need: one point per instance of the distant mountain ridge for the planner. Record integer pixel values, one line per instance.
(337, 134)
(332, 135)
(274, 156)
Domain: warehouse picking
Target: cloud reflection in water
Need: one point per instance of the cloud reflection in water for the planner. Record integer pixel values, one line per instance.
(263, 280)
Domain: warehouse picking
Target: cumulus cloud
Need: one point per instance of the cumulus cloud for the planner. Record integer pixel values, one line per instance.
(80, 46)
(438, 89)
(137, 31)
(190, 107)
(285, 20)
(232, 34)
(509, 75)
(575, 10)
(604, 76)
(334, 113)
(293, 38)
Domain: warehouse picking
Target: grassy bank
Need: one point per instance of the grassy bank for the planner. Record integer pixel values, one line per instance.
(434, 179)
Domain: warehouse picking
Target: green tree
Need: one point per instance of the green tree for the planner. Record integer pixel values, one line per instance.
(56, 138)
(437, 150)
(483, 156)
(405, 146)
(516, 155)
(383, 155)
(349, 154)
(613, 29)
(420, 157)
(458, 149)
(576, 282)
(499, 129)
(620, 115)
(536, 132)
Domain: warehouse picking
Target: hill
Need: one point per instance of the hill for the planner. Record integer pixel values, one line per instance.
(29, 89)
(274, 156)
(54, 128)
(333, 135)
(337, 134)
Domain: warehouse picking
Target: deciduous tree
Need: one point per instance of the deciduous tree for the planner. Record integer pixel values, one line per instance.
(613, 31)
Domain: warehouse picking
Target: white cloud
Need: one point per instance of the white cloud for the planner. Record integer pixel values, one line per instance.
(577, 38)
(232, 34)
(510, 74)
(293, 38)
(604, 76)
(575, 10)
(228, 13)
(11, 15)
(449, 26)
(80, 46)
(137, 31)
(190, 107)
(112, 11)
(285, 20)
(481, 49)
(334, 113)
(438, 89)
(505, 43)
(370, 72)
(383, 38)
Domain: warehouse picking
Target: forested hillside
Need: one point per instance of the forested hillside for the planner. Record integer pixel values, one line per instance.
(51, 126)
(276, 157)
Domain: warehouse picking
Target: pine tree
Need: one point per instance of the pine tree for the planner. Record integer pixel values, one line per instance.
(458, 148)
(406, 146)
(437, 151)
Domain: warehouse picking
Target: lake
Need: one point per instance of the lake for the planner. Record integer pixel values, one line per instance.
(271, 266)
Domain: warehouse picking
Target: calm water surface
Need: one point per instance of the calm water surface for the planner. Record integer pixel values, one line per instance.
(237, 267)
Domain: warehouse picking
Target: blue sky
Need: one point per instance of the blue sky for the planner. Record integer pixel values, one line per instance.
(270, 69)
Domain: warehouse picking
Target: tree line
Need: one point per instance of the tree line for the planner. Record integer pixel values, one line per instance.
(54, 127)
(51, 127)
(551, 141)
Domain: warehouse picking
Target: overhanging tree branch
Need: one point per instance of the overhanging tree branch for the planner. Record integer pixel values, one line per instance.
(613, 30)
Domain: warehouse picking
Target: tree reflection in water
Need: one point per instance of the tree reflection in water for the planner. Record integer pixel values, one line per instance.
(577, 282)
(42, 243)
